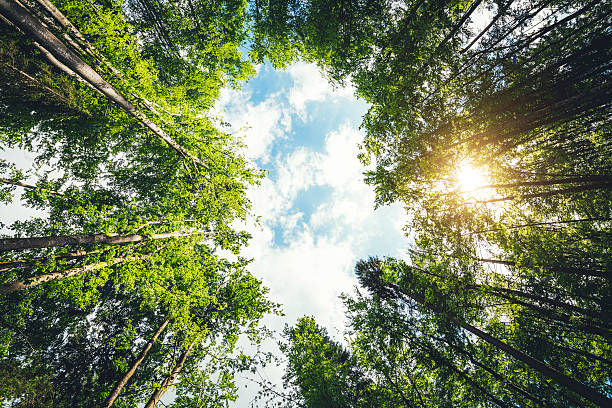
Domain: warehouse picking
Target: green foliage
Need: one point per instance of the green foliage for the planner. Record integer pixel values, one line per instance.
(98, 171)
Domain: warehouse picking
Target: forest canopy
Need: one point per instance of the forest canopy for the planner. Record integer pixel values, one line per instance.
(489, 121)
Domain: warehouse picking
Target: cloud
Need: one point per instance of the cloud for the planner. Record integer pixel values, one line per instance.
(310, 86)
(305, 253)
(259, 124)
(315, 263)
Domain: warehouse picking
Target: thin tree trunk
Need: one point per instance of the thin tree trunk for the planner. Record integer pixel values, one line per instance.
(504, 292)
(169, 380)
(390, 380)
(37, 32)
(121, 383)
(553, 302)
(550, 372)
(585, 327)
(29, 186)
(537, 224)
(37, 280)
(602, 186)
(499, 14)
(39, 84)
(459, 24)
(14, 244)
(588, 179)
(438, 358)
(6, 266)
(494, 373)
(87, 47)
(565, 269)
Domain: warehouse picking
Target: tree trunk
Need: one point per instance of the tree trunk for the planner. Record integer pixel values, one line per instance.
(571, 190)
(565, 269)
(567, 307)
(169, 380)
(550, 372)
(29, 186)
(22, 18)
(537, 224)
(436, 357)
(14, 244)
(569, 180)
(459, 24)
(504, 292)
(121, 383)
(8, 265)
(493, 373)
(37, 280)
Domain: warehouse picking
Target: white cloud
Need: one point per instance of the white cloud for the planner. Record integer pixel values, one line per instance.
(310, 86)
(259, 124)
(312, 262)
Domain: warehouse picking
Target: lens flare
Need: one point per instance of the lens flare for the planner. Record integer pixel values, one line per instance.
(470, 178)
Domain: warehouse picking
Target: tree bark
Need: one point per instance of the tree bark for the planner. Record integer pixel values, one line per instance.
(37, 280)
(505, 292)
(15, 244)
(550, 372)
(564, 269)
(169, 380)
(493, 373)
(29, 186)
(537, 224)
(8, 265)
(569, 180)
(22, 18)
(571, 190)
(121, 383)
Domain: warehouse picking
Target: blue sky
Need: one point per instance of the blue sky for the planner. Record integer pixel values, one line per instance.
(316, 214)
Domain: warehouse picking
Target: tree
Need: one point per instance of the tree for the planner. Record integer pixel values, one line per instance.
(321, 372)
(379, 278)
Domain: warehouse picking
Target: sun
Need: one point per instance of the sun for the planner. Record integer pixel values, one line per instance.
(470, 178)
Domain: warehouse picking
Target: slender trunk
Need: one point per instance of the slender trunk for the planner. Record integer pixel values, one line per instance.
(37, 280)
(553, 302)
(460, 23)
(586, 354)
(29, 186)
(39, 84)
(438, 358)
(121, 383)
(564, 269)
(397, 388)
(600, 186)
(6, 266)
(588, 179)
(499, 14)
(537, 224)
(14, 244)
(393, 383)
(504, 292)
(169, 380)
(85, 46)
(37, 32)
(550, 372)
(586, 327)
(67, 24)
(493, 373)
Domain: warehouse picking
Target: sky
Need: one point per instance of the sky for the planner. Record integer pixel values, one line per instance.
(316, 215)
(313, 216)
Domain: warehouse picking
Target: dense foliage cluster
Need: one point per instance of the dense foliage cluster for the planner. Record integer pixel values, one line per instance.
(118, 293)
(490, 121)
